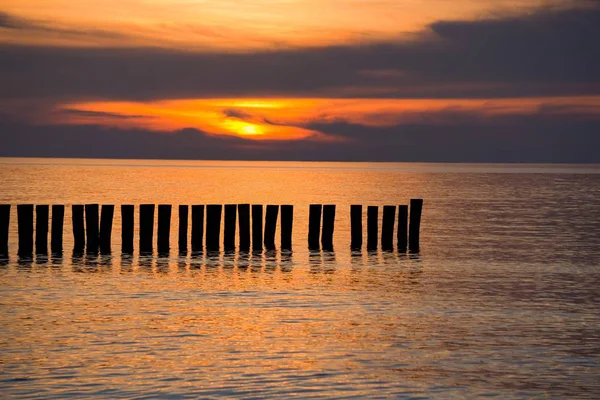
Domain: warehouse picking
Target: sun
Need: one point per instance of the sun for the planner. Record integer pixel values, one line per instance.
(249, 130)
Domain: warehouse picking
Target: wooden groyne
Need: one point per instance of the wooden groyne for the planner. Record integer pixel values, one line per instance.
(254, 229)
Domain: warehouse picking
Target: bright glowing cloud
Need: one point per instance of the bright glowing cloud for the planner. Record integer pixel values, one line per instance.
(286, 119)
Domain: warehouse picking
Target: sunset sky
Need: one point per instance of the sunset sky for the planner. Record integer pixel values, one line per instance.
(376, 80)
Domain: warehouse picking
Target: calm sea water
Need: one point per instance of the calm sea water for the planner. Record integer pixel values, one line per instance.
(503, 299)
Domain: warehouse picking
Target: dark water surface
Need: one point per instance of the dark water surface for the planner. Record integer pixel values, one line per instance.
(503, 300)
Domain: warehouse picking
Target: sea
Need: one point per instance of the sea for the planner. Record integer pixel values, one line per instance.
(502, 300)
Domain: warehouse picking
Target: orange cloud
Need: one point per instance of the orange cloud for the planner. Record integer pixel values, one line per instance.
(234, 24)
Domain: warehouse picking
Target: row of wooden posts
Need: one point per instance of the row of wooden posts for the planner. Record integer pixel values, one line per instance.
(92, 227)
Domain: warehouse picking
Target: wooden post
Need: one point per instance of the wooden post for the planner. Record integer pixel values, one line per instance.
(229, 227)
(42, 213)
(244, 218)
(78, 228)
(372, 217)
(402, 227)
(271, 226)
(56, 235)
(4, 225)
(328, 225)
(287, 223)
(314, 226)
(387, 228)
(356, 235)
(213, 226)
(127, 212)
(91, 227)
(146, 227)
(183, 228)
(416, 206)
(257, 224)
(197, 227)
(106, 222)
(163, 240)
(25, 222)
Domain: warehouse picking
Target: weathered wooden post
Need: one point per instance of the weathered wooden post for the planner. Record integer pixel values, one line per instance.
(387, 228)
(328, 227)
(244, 218)
(183, 228)
(416, 207)
(402, 227)
(287, 223)
(42, 212)
(257, 225)
(146, 227)
(271, 226)
(78, 228)
(163, 235)
(230, 221)
(91, 227)
(197, 227)
(56, 232)
(25, 222)
(314, 226)
(356, 235)
(372, 217)
(213, 226)
(107, 213)
(4, 225)
(127, 224)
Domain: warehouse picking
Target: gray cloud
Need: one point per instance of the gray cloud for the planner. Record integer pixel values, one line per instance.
(551, 52)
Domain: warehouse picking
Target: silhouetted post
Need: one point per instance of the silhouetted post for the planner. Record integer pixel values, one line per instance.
(287, 223)
(25, 222)
(213, 226)
(197, 227)
(164, 228)
(106, 222)
(387, 228)
(4, 224)
(271, 226)
(229, 226)
(127, 212)
(416, 206)
(257, 224)
(328, 225)
(91, 227)
(56, 232)
(356, 236)
(372, 217)
(402, 227)
(183, 228)
(146, 227)
(42, 213)
(314, 226)
(244, 218)
(78, 228)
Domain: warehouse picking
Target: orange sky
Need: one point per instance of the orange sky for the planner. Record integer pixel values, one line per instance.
(225, 26)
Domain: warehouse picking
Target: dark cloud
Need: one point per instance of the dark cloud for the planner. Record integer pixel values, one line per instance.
(463, 137)
(99, 114)
(21, 25)
(237, 113)
(551, 52)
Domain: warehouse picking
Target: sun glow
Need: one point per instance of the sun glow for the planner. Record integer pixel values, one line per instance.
(291, 119)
